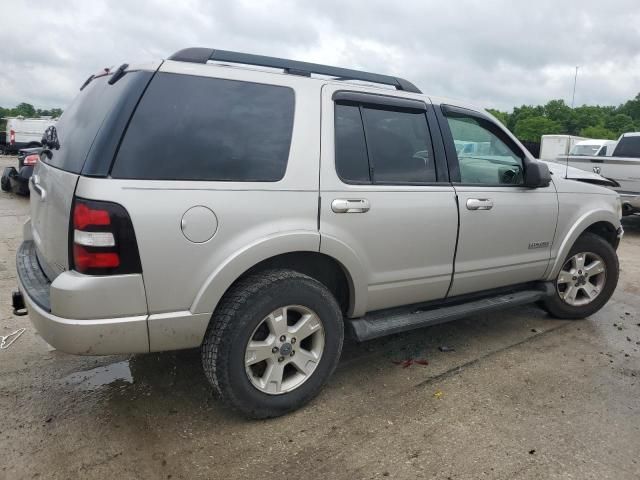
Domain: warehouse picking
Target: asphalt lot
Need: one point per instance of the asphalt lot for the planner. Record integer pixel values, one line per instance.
(523, 396)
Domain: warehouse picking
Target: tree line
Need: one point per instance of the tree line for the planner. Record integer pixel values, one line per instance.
(28, 111)
(530, 122)
(527, 122)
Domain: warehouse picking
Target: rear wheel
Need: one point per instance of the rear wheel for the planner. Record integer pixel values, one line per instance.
(5, 183)
(586, 280)
(274, 340)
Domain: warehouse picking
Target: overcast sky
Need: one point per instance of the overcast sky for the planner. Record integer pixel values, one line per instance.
(494, 53)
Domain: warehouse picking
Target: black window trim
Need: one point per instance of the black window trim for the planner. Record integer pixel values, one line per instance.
(389, 102)
(450, 149)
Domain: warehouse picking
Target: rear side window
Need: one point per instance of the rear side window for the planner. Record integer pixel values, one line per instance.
(383, 145)
(199, 128)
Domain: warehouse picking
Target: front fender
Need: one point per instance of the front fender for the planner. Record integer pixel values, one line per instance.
(578, 228)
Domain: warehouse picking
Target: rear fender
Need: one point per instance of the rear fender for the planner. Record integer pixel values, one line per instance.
(242, 260)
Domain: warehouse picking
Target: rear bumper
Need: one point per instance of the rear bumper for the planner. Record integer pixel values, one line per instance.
(630, 203)
(101, 336)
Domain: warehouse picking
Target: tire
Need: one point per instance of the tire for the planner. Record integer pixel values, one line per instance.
(593, 248)
(248, 313)
(5, 183)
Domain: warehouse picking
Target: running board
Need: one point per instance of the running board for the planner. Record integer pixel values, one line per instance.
(396, 320)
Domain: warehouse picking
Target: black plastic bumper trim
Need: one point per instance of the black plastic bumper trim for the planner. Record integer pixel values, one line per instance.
(32, 278)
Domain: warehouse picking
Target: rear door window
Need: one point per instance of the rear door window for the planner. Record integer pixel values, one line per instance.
(383, 145)
(399, 146)
(198, 128)
(352, 163)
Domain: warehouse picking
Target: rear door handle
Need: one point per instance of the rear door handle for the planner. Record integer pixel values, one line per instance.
(35, 183)
(344, 205)
(479, 204)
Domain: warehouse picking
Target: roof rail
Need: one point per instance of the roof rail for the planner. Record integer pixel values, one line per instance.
(294, 67)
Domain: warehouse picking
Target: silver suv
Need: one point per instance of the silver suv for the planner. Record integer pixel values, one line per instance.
(254, 207)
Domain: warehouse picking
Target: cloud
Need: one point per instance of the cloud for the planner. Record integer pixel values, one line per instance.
(493, 53)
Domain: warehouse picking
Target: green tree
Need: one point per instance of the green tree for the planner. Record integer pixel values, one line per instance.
(525, 111)
(502, 116)
(631, 108)
(598, 132)
(25, 110)
(590, 116)
(532, 128)
(620, 123)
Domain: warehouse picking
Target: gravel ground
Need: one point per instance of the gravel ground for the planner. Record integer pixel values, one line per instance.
(522, 396)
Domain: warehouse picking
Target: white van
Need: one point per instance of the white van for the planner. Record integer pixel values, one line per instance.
(594, 148)
(25, 132)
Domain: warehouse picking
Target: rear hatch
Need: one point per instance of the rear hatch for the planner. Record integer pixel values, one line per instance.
(83, 142)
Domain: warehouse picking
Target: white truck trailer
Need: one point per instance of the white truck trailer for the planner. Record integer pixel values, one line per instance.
(25, 132)
(551, 146)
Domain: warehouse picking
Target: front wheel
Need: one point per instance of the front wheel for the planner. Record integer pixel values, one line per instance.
(586, 280)
(273, 342)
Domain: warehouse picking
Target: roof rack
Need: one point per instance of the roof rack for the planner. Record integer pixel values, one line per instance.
(294, 67)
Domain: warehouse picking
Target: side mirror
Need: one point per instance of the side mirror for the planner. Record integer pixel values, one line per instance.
(536, 175)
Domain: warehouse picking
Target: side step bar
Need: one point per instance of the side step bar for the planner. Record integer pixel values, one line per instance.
(396, 320)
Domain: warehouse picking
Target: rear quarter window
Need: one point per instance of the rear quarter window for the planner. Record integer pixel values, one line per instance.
(199, 128)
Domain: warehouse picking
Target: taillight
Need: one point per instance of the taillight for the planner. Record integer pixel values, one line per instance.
(12, 137)
(102, 240)
(31, 159)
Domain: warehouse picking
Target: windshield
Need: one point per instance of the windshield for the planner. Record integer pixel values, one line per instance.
(585, 150)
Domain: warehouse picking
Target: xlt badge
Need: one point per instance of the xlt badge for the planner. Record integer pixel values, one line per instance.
(533, 245)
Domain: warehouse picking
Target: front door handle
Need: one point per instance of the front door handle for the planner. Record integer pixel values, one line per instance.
(344, 205)
(479, 204)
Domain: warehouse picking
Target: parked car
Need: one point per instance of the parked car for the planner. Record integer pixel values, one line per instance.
(622, 167)
(594, 148)
(25, 132)
(18, 179)
(551, 146)
(282, 207)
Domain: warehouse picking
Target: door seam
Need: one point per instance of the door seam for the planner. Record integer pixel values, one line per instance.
(455, 250)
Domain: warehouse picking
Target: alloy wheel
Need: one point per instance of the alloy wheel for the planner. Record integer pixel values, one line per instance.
(284, 349)
(581, 279)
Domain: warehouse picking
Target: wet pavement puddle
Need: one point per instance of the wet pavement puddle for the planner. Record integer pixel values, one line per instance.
(100, 376)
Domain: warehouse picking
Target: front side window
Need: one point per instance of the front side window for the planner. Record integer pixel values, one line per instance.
(383, 146)
(485, 155)
(198, 128)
